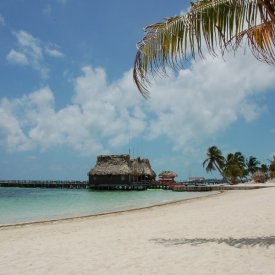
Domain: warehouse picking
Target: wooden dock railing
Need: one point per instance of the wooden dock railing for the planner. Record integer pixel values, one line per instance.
(71, 184)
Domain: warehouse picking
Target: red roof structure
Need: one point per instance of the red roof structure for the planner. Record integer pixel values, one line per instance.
(167, 177)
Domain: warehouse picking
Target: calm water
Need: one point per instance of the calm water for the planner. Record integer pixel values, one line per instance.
(18, 205)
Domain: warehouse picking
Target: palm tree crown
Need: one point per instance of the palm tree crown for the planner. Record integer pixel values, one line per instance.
(234, 166)
(215, 160)
(220, 24)
(252, 165)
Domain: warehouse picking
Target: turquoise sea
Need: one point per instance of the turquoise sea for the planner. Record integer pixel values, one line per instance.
(20, 205)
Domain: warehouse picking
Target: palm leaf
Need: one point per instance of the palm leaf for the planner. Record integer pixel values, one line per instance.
(219, 24)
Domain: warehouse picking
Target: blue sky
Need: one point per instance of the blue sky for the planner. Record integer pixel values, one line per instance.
(67, 95)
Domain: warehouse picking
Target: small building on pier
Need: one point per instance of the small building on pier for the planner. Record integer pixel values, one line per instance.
(167, 177)
(120, 172)
(196, 179)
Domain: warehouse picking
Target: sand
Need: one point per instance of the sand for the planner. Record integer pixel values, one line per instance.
(228, 233)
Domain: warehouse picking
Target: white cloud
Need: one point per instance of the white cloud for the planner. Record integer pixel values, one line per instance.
(32, 52)
(52, 51)
(12, 136)
(108, 109)
(17, 57)
(197, 103)
(251, 111)
(2, 20)
(92, 117)
(47, 10)
(29, 44)
(207, 98)
(63, 2)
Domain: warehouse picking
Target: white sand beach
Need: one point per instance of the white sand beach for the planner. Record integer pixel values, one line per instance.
(228, 233)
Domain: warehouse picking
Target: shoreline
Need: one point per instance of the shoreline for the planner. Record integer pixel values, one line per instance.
(227, 233)
(245, 187)
(212, 193)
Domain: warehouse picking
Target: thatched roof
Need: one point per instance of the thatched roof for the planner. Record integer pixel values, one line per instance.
(122, 165)
(111, 165)
(141, 167)
(168, 174)
(259, 177)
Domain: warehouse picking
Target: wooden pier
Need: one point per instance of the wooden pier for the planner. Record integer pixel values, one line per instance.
(120, 187)
(58, 184)
(207, 188)
(137, 186)
(134, 186)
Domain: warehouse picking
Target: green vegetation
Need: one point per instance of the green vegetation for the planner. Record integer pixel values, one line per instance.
(272, 168)
(221, 25)
(215, 160)
(235, 166)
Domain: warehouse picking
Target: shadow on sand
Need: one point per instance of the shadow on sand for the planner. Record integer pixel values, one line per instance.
(264, 242)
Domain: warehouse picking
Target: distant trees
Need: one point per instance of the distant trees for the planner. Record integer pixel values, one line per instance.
(215, 160)
(272, 168)
(264, 169)
(252, 165)
(235, 166)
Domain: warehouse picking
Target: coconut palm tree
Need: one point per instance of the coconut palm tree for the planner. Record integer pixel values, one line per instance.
(214, 161)
(239, 159)
(219, 24)
(252, 165)
(264, 169)
(234, 166)
(233, 171)
(272, 168)
(236, 158)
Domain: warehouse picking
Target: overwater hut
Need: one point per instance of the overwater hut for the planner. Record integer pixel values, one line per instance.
(141, 170)
(167, 177)
(120, 172)
(110, 169)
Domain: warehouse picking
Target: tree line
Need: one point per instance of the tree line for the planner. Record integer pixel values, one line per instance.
(235, 166)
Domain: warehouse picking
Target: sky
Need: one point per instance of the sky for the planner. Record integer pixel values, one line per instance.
(67, 94)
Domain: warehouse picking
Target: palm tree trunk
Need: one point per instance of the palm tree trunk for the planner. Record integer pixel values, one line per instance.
(224, 178)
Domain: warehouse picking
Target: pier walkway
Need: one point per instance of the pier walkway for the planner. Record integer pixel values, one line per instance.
(137, 186)
(45, 184)
(220, 187)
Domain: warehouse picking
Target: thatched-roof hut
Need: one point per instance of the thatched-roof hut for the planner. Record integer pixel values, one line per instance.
(111, 165)
(167, 176)
(142, 168)
(120, 170)
(259, 177)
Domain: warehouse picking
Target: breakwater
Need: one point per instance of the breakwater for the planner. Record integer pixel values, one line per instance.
(73, 184)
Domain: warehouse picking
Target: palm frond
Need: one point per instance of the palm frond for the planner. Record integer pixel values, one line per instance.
(260, 40)
(219, 24)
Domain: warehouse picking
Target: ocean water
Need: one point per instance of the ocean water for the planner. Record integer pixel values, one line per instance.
(20, 205)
